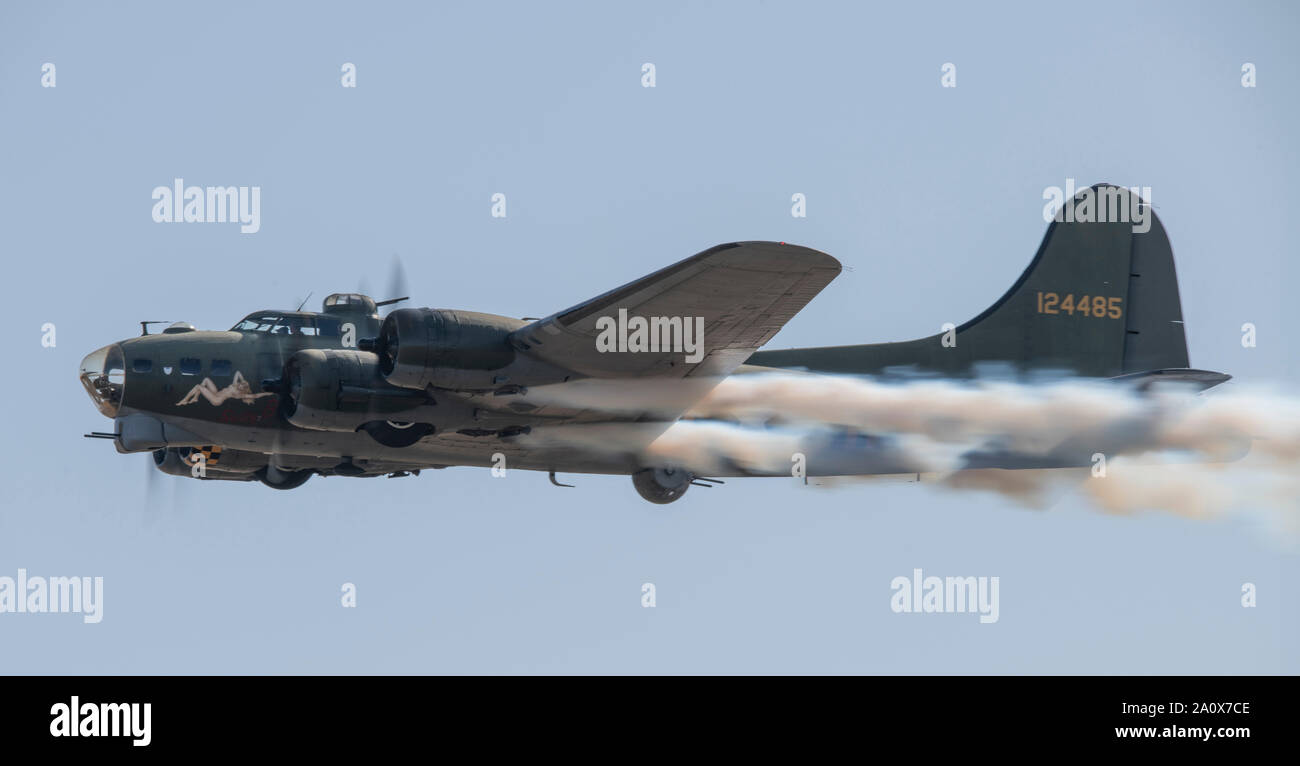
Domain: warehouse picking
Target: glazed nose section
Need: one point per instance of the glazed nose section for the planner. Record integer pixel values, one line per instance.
(103, 373)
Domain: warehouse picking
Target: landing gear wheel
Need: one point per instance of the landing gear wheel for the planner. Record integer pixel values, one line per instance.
(394, 434)
(276, 479)
(661, 485)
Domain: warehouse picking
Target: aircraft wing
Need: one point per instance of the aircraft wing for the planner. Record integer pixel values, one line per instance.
(740, 294)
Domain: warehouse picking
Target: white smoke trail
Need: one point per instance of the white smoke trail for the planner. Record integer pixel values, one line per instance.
(1162, 445)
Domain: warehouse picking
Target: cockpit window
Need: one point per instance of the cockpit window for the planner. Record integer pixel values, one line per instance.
(279, 324)
(257, 323)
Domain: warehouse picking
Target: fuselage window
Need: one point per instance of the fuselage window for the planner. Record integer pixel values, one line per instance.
(142, 365)
(191, 366)
(222, 368)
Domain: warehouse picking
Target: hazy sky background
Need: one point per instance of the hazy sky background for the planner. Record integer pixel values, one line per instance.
(931, 197)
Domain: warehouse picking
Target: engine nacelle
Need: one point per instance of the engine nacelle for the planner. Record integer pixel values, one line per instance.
(459, 350)
(216, 462)
(342, 390)
(173, 460)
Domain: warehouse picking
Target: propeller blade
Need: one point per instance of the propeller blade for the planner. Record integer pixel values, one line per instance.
(397, 290)
(150, 480)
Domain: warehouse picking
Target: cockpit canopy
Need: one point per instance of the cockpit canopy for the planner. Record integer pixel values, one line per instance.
(338, 308)
(290, 323)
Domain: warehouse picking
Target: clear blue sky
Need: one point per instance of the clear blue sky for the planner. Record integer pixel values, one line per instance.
(931, 197)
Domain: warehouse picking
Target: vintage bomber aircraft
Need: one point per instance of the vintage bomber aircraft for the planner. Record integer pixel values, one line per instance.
(284, 395)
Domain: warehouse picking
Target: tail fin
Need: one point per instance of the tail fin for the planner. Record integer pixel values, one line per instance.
(1100, 299)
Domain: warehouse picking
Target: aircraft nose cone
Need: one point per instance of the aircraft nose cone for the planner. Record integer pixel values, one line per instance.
(103, 374)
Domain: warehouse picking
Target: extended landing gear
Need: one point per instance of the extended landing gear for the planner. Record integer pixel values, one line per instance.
(277, 479)
(661, 485)
(397, 435)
